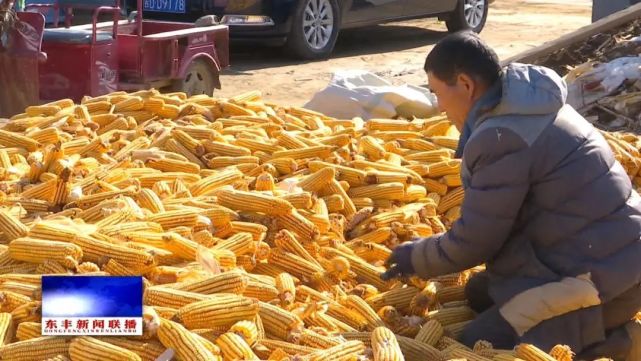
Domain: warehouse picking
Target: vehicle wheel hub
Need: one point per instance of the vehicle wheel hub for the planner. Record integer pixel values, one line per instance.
(474, 10)
(318, 23)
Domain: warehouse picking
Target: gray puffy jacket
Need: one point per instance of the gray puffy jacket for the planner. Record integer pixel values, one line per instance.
(546, 207)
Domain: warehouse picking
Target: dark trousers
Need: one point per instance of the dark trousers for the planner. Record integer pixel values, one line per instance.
(489, 325)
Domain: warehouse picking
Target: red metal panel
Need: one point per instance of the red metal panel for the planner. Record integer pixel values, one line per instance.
(104, 74)
(157, 59)
(67, 72)
(72, 71)
(129, 57)
(155, 27)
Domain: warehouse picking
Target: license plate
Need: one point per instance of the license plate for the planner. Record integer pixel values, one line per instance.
(165, 6)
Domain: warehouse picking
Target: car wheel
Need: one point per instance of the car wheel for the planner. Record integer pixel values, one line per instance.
(468, 15)
(315, 27)
(199, 79)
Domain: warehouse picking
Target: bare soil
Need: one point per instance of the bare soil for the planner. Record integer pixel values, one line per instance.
(396, 51)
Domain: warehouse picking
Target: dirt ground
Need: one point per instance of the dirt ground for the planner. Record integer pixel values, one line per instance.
(396, 51)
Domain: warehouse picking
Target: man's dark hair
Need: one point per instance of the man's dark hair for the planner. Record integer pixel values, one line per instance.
(463, 52)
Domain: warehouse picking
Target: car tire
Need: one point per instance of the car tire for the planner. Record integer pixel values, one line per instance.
(199, 78)
(314, 29)
(468, 15)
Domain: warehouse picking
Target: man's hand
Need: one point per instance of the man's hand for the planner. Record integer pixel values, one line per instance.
(399, 264)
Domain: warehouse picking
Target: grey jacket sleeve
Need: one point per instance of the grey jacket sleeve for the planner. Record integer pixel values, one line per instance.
(498, 162)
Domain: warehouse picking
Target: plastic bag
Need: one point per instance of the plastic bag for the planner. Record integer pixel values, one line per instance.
(357, 93)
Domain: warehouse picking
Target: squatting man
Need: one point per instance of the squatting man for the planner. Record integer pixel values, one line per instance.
(547, 209)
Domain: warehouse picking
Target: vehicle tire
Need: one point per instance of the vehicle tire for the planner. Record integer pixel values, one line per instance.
(199, 79)
(315, 27)
(468, 15)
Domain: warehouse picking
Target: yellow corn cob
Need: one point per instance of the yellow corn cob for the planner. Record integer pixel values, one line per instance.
(465, 354)
(289, 348)
(391, 191)
(172, 219)
(247, 330)
(314, 339)
(415, 351)
(362, 308)
(221, 162)
(169, 297)
(371, 148)
(321, 151)
(289, 141)
(94, 250)
(387, 167)
(302, 200)
(450, 293)
(388, 124)
(6, 329)
(150, 200)
(530, 352)
(254, 202)
(51, 267)
(385, 346)
(440, 169)
(437, 128)
(147, 350)
(400, 298)
(261, 291)
(28, 330)
(445, 141)
(287, 241)
(191, 144)
(234, 347)
(36, 349)
(167, 165)
(296, 265)
(185, 344)
(451, 199)
(454, 330)
(448, 316)
(286, 289)
(342, 351)
(277, 321)
(169, 111)
(10, 139)
(365, 271)
(12, 227)
(354, 177)
(562, 353)
(225, 149)
(25, 289)
(430, 333)
(452, 180)
(228, 282)
(174, 146)
(510, 357)
(240, 243)
(263, 145)
(265, 183)
(37, 251)
(10, 300)
(44, 191)
(217, 311)
(90, 348)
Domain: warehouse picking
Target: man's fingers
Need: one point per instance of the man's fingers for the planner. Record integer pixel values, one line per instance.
(391, 273)
(391, 260)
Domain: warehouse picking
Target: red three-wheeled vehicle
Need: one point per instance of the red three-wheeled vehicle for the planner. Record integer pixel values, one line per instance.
(39, 64)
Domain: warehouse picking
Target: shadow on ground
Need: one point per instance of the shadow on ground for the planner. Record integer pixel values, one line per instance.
(351, 42)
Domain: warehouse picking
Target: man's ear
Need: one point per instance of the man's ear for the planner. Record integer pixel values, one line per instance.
(467, 84)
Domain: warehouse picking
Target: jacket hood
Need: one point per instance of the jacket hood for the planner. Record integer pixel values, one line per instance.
(530, 90)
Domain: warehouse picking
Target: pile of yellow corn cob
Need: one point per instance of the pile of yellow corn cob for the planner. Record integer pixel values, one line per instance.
(260, 230)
